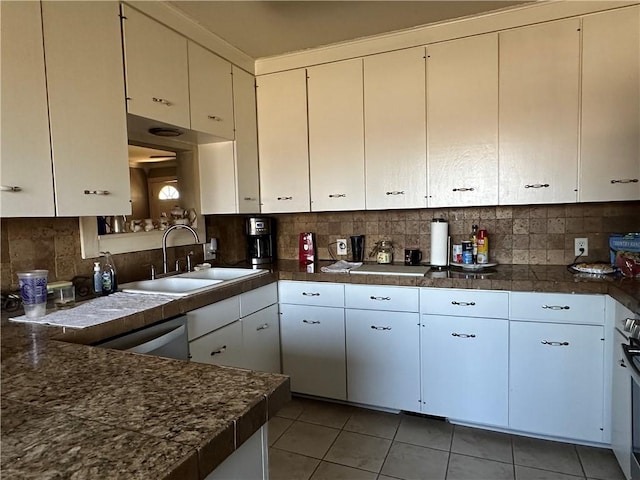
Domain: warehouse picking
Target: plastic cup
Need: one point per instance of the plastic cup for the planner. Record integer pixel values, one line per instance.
(33, 289)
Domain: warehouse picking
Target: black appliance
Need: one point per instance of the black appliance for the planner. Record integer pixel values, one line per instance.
(261, 240)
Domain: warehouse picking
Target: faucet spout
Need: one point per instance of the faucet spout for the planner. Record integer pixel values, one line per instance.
(164, 242)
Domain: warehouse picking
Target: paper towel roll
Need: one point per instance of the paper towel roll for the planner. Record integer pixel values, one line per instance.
(439, 242)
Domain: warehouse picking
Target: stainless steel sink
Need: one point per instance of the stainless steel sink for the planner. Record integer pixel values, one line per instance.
(174, 286)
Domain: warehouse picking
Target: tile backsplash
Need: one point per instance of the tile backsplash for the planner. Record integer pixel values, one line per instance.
(537, 235)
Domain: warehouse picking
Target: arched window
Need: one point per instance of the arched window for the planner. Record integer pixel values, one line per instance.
(168, 192)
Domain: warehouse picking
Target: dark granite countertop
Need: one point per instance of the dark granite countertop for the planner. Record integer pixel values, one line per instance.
(72, 409)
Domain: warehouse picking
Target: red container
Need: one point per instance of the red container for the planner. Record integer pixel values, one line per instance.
(306, 248)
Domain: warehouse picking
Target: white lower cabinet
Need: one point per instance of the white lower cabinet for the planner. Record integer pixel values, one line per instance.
(383, 359)
(313, 349)
(556, 379)
(465, 363)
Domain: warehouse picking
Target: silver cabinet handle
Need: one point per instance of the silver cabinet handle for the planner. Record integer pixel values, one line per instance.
(463, 304)
(214, 117)
(310, 294)
(396, 192)
(262, 327)
(380, 328)
(537, 185)
(622, 363)
(97, 192)
(556, 307)
(555, 344)
(219, 351)
(311, 322)
(250, 199)
(285, 198)
(380, 299)
(337, 195)
(625, 180)
(463, 335)
(463, 189)
(9, 188)
(162, 101)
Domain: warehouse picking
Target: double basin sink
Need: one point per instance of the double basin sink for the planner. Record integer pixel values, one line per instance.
(190, 283)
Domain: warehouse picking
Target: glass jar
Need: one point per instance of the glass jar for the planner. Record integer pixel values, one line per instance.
(385, 252)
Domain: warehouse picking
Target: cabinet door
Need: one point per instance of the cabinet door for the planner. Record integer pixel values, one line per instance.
(556, 379)
(157, 70)
(210, 93)
(220, 347)
(83, 50)
(610, 141)
(217, 175)
(261, 340)
(462, 120)
(283, 142)
(383, 359)
(313, 350)
(246, 145)
(395, 130)
(25, 171)
(539, 112)
(336, 136)
(454, 383)
(621, 443)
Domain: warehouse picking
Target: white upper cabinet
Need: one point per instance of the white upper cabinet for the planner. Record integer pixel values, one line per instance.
(336, 136)
(395, 130)
(157, 70)
(229, 170)
(86, 107)
(539, 112)
(462, 121)
(610, 144)
(25, 171)
(283, 142)
(210, 92)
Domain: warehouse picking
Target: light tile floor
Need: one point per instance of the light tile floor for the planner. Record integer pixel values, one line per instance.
(314, 440)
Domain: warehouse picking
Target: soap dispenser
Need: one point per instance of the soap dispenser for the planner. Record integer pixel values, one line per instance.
(97, 278)
(109, 277)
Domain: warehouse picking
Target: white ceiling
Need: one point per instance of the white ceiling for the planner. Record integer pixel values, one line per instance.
(268, 28)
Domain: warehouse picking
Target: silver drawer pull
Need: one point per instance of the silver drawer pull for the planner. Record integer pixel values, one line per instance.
(250, 199)
(262, 327)
(96, 192)
(380, 298)
(285, 198)
(396, 192)
(311, 322)
(162, 101)
(463, 189)
(337, 195)
(219, 351)
(463, 335)
(380, 328)
(9, 188)
(625, 180)
(213, 117)
(310, 294)
(537, 185)
(556, 307)
(555, 344)
(622, 363)
(463, 304)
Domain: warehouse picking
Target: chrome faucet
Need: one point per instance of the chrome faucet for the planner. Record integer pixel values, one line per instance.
(164, 242)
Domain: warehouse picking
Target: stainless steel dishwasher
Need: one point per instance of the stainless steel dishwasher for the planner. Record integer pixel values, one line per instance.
(164, 339)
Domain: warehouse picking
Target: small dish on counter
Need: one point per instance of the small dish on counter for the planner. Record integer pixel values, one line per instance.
(473, 266)
(597, 268)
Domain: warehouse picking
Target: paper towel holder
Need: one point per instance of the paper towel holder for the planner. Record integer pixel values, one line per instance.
(443, 262)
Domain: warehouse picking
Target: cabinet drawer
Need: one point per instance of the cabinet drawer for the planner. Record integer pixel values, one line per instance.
(222, 347)
(375, 297)
(258, 299)
(311, 293)
(206, 319)
(464, 303)
(557, 307)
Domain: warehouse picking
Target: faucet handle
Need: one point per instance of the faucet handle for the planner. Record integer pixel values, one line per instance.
(189, 262)
(153, 272)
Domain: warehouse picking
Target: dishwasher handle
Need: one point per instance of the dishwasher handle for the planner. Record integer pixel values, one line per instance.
(160, 341)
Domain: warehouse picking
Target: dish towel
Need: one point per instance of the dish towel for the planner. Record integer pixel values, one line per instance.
(99, 310)
(341, 266)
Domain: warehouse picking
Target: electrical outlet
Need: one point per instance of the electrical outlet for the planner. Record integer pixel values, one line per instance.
(581, 243)
(342, 246)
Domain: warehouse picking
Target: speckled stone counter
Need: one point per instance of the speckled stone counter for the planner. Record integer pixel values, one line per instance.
(76, 411)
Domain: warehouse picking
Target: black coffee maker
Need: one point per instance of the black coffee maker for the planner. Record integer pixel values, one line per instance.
(261, 240)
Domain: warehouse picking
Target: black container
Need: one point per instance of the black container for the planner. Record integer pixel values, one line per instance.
(357, 248)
